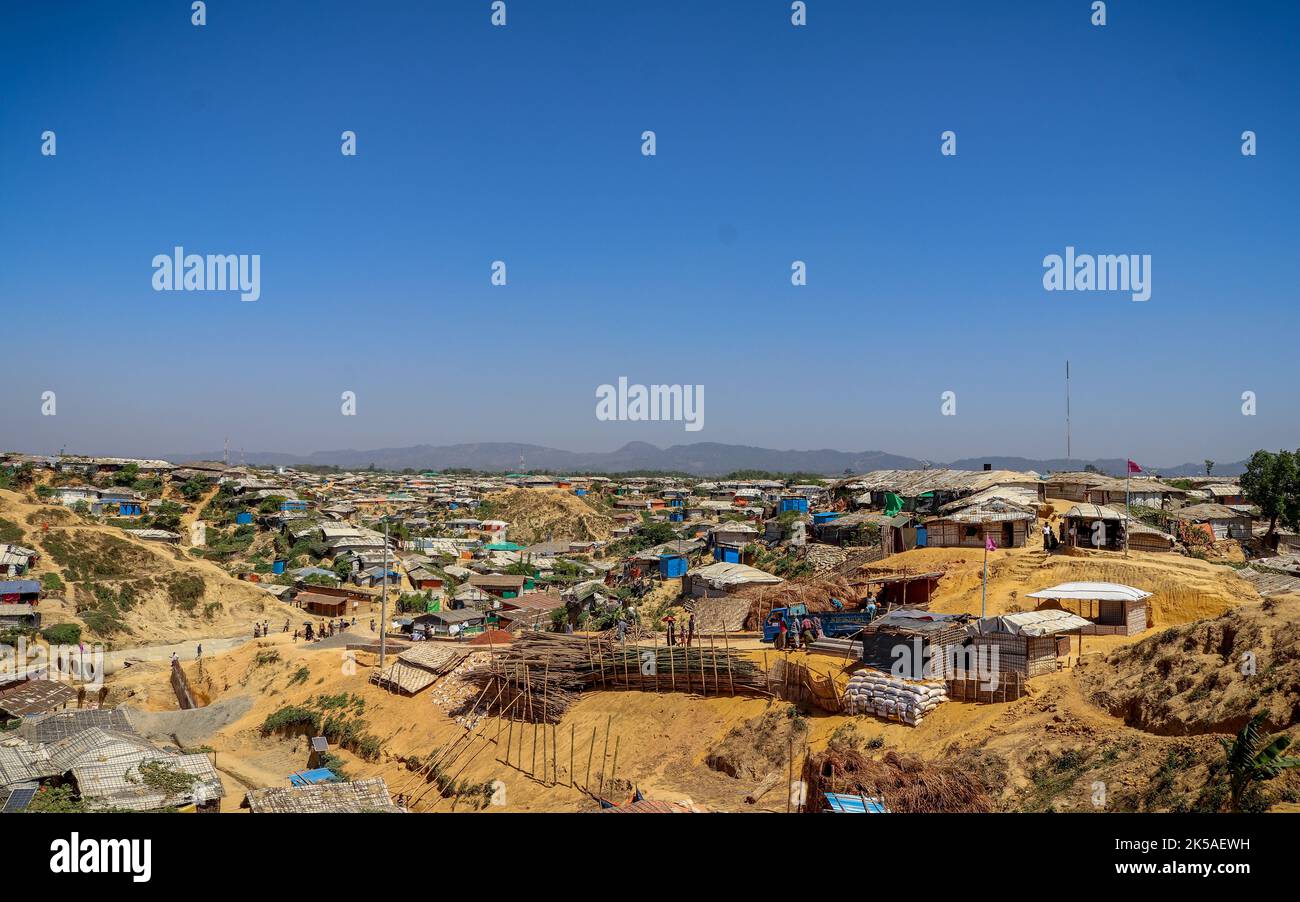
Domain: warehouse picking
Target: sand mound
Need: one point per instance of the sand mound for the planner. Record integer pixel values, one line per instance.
(757, 747)
(542, 515)
(1206, 677)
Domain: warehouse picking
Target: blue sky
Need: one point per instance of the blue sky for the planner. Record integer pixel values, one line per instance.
(775, 143)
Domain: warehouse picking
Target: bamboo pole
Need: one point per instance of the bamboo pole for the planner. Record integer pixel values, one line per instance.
(591, 749)
(604, 755)
(713, 653)
(555, 767)
(655, 635)
(789, 766)
(730, 679)
(573, 740)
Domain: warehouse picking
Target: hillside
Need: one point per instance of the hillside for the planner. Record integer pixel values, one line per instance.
(544, 515)
(1209, 676)
(122, 590)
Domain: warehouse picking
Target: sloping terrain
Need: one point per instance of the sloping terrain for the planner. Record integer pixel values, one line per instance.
(128, 591)
(1209, 676)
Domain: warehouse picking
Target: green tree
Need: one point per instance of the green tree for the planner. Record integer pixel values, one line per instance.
(1209, 465)
(1272, 483)
(1252, 759)
(127, 475)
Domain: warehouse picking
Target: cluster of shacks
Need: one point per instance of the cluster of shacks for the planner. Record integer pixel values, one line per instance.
(99, 754)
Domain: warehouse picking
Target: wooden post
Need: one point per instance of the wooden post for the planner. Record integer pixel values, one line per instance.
(713, 653)
(573, 740)
(655, 636)
(789, 766)
(555, 767)
(731, 681)
(586, 784)
(604, 756)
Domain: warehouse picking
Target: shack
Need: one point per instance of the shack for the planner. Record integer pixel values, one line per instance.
(914, 644)
(453, 624)
(1029, 643)
(961, 525)
(1111, 609)
(1216, 521)
(323, 605)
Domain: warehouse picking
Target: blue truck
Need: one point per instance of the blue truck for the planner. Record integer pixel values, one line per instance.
(836, 624)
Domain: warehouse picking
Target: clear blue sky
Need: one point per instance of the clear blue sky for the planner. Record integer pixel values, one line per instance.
(774, 144)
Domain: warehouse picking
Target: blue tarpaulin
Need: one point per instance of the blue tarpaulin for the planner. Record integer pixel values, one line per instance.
(844, 803)
(308, 777)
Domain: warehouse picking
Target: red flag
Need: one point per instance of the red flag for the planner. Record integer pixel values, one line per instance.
(989, 544)
(1134, 468)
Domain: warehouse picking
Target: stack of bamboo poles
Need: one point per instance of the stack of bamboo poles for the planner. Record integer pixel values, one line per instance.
(681, 668)
(541, 674)
(538, 676)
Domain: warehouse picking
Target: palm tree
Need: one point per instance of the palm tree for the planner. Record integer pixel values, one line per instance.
(1251, 758)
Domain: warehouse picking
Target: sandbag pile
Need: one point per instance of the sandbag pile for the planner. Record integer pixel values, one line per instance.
(893, 698)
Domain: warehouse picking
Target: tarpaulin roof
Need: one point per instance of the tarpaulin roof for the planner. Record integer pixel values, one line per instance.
(1029, 623)
(1091, 592)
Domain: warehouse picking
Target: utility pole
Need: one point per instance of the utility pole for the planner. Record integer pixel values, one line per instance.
(383, 605)
(1067, 410)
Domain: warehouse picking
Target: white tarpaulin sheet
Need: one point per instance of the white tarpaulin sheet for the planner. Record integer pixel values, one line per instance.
(1029, 623)
(1091, 592)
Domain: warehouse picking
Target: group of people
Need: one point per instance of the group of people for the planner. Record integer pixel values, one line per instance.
(802, 632)
(684, 636)
(797, 632)
(263, 629)
(326, 629)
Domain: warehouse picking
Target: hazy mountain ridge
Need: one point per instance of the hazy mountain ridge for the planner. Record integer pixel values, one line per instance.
(699, 459)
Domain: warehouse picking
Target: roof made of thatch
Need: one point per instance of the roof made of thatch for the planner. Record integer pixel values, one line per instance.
(358, 797)
(406, 677)
(716, 615)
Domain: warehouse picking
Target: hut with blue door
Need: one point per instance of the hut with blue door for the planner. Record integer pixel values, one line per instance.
(672, 566)
(728, 554)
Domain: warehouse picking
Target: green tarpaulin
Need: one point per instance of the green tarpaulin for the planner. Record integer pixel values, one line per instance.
(893, 504)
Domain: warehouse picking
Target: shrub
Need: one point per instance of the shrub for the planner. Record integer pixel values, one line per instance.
(62, 634)
(185, 591)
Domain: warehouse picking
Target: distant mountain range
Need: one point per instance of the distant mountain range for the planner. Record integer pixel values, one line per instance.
(699, 459)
